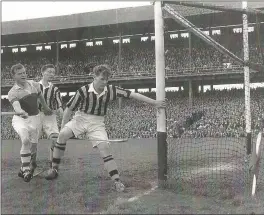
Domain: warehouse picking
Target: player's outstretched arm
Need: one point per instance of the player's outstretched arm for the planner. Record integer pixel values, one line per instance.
(156, 103)
(66, 116)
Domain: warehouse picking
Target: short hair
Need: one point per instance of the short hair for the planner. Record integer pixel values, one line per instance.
(103, 69)
(16, 67)
(47, 66)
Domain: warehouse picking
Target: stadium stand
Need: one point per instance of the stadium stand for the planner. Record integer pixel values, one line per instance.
(177, 61)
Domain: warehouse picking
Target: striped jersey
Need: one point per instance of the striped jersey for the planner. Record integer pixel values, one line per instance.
(87, 100)
(51, 95)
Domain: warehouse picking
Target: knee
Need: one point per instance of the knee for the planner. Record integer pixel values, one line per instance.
(25, 140)
(104, 149)
(64, 135)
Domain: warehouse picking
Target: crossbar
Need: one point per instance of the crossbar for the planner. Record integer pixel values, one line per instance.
(247, 11)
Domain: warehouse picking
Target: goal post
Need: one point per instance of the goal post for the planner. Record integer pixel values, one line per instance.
(160, 93)
(246, 78)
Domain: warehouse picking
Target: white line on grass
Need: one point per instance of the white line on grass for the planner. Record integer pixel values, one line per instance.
(121, 201)
(143, 194)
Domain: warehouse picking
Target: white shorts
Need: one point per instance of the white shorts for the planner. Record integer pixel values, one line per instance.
(48, 124)
(92, 125)
(27, 128)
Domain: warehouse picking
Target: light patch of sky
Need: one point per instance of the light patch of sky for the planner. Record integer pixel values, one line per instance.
(16, 10)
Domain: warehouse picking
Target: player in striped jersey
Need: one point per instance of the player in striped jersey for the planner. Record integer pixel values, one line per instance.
(90, 102)
(24, 97)
(53, 99)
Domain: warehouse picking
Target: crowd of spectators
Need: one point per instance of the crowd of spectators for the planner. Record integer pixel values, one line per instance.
(135, 60)
(213, 114)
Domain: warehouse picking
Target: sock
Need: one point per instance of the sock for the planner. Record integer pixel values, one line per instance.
(25, 159)
(111, 167)
(52, 149)
(34, 152)
(25, 154)
(58, 152)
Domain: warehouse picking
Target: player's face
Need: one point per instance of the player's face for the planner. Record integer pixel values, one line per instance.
(49, 74)
(101, 81)
(20, 76)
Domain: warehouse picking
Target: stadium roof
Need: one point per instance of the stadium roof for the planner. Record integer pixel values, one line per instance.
(90, 19)
(99, 18)
(108, 23)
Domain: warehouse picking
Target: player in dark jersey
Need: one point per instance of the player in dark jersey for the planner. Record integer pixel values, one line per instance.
(24, 97)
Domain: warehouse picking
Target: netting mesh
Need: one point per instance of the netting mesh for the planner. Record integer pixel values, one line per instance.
(207, 155)
(208, 166)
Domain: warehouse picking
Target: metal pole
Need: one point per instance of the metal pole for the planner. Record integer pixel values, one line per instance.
(119, 53)
(190, 81)
(160, 93)
(246, 78)
(120, 64)
(190, 48)
(57, 53)
(190, 93)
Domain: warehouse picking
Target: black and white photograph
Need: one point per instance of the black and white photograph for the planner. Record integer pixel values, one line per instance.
(132, 107)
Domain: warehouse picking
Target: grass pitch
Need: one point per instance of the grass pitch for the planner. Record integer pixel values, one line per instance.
(83, 186)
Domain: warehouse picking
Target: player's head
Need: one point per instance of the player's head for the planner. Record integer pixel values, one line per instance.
(101, 75)
(48, 71)
(18, 72)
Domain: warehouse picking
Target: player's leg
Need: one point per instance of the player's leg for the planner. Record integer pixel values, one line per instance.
(99, 133)
(34, 129)
(37, 122)
(65, 134)
(40, 134)
(51, 129)
(33, 149)
(53, 137)
(20, 126)
(72, 128)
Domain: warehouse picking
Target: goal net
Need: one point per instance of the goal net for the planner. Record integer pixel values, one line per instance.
(212, 131)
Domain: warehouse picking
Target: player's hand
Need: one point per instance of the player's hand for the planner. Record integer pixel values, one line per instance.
(47, 111)
(161, 103)
(22, 114)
